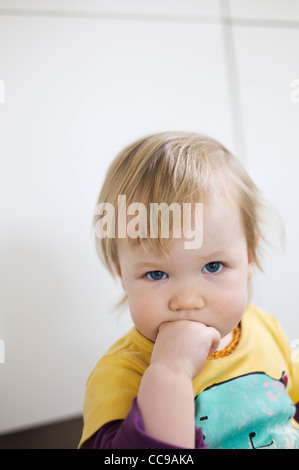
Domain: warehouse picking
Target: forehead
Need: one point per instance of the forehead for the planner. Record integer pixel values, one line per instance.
(222, 220)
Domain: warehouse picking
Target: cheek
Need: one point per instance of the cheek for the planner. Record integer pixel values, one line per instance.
(230, 312)
(235, 292)
(139, 301)
(144, 313)
(232, 304)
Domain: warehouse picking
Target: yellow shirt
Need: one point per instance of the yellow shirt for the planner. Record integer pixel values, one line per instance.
(263, 371)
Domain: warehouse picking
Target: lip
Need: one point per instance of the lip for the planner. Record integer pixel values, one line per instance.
(187, 318)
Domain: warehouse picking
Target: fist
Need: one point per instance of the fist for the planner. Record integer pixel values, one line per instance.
(184, 346)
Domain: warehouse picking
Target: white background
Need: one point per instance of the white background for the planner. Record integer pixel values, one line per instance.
(82, 79)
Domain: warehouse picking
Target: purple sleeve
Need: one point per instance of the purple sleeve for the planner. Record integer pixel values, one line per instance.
(129, 434)
(296, 416)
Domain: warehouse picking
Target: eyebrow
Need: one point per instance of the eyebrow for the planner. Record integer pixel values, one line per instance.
(215, 256)
(144, 264)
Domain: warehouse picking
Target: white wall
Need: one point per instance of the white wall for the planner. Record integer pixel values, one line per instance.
(83, 79)
(267, 62)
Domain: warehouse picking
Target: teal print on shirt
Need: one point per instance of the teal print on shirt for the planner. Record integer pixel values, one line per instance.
(249, 412)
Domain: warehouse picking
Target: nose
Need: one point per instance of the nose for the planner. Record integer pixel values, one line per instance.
(186, 299)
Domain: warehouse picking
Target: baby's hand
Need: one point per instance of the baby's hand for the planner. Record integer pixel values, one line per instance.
(184, 346)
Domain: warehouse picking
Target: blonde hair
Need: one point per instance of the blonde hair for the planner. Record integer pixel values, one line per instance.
(180, 167)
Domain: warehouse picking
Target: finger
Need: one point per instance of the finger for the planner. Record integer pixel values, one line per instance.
(215, 341)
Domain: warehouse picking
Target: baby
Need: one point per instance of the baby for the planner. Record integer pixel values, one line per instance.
(201, 368)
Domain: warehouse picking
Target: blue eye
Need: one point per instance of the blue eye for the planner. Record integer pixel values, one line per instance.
(156, 275)
(213, 267)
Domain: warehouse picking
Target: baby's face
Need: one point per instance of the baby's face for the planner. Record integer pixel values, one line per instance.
(207, 284)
